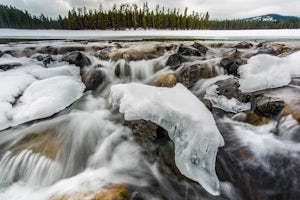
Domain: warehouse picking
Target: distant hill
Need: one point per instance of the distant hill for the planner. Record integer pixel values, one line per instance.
(272, 18)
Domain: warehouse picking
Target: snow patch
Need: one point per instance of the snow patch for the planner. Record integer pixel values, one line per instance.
(189, 123)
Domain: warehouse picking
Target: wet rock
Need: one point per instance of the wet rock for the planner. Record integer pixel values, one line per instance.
(268, 106)
(67, 49)
(232, 62)
(272, 49)
(8, 66)
(111, 192)
(255, 119)
(174, 61)
(230, 89)
(43, 143)
(207, 104)
(29, 51)
(122, 69)
(243, 45)
(203, 49)
(48, 50)
(104, 54)
(189, 75)
(166, 80)
(136, 55)
(188, 51)
(13, 53)
(1, 54)
(143, 130)
(207, 71)
(94, 79)
(77, 58)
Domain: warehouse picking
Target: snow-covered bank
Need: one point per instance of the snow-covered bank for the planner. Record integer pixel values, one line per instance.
(282, 34)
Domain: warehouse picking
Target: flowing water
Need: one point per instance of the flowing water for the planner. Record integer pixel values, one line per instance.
(86, 150)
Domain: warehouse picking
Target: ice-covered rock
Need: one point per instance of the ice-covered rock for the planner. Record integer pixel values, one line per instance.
(189, 124)
(266, 71)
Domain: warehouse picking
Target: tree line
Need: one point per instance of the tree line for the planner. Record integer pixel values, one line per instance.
(130, 16)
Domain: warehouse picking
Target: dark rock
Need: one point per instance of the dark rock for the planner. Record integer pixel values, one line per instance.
(122, 69)
(9, 66)
(268, 106)
(104, 54)
(1, 54)
(243, 45)
(67, 49)
(29, 51)
(47, 60)
(48, 50)
(77, 58)
(232, 62)
(189, 75)
(230, 89)
(175, 60)
(203, 49)
(273, 49)
(93, 80)
(207, 104)
(143, 130)
(13, 53)
(188, 51)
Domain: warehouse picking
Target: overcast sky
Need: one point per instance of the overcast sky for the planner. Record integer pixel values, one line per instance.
(218, 9)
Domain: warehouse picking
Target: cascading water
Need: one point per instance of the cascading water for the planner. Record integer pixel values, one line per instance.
(60, 141)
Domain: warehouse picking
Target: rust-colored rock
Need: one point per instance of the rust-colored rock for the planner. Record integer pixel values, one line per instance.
(166, 80)
(255, 119)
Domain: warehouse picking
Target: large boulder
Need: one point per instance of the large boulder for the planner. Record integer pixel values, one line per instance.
(272, 49)
(166, 80)
(201, 48)
(268, 106)
(188, 51)
(77, 58)
(232, 62)
(94, 79)
(175, 60)
(230, 89)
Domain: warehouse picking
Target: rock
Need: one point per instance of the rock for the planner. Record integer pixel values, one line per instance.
(232, 62)
(230, 89)
(189, 75)
(104, 53)
(255, 119)
(29, 51)
(174, 61)
(136, 55)
(47, 60)
(207, 71)
(1, 54)
(188, 51)
(48, 50)
(143, 130)
(207, 103)
(166, 80)
(272, 49)
(268, 106)
(93, 80)
(111, 192)
(122, 69)
(67, 49)
(9, 66)
(243, 45)
(77, 58)
(203, 49)
(43, 143)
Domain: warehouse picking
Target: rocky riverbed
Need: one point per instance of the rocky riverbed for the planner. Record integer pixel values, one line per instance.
(73, 127)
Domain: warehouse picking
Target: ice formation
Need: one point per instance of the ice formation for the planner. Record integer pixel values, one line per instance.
(266, 71)
(189, 124)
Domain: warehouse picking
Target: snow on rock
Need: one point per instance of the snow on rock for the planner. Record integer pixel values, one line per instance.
(266, 71)
(32, 92)
(220, 101)
(189, 124)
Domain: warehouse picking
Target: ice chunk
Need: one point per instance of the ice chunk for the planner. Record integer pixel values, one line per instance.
(189, 124)
(46, 97)
(266, 71)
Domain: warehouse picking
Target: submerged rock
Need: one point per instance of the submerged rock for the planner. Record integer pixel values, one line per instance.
(122, 68)
(166, 80)
(232, 62)
(268, 106)
(175, 60)
(255, 119)
(77, 58)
